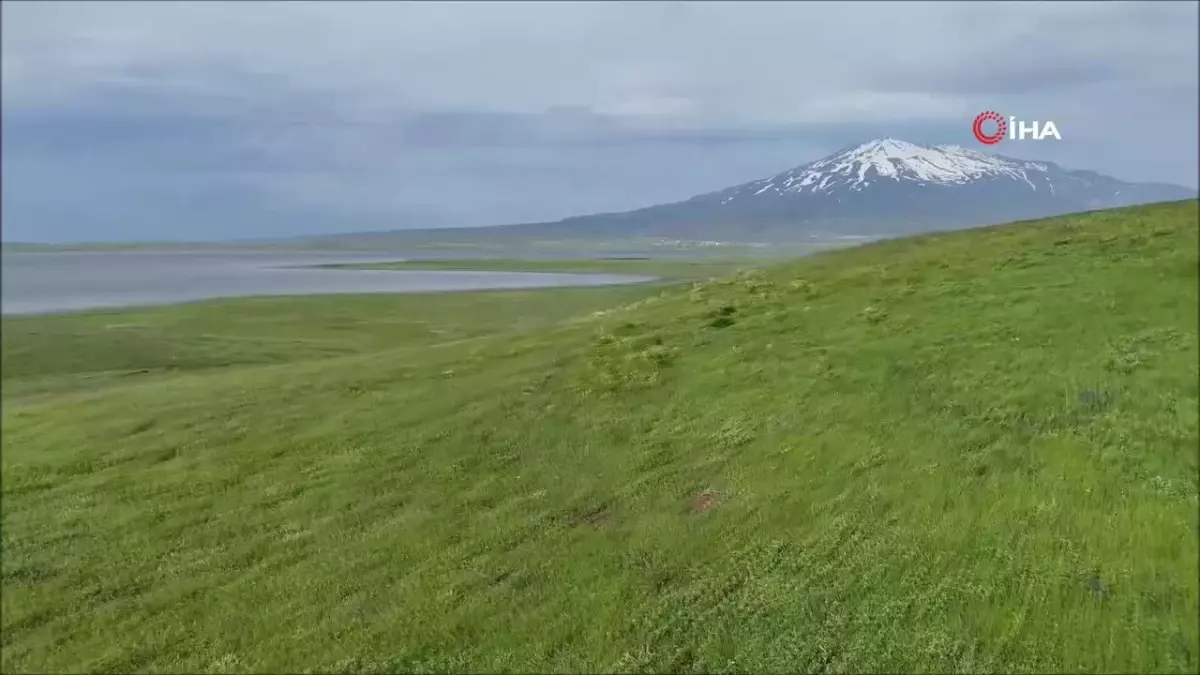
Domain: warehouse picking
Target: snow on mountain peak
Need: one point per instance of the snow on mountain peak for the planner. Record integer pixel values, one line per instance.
(900, 160)
(891, 159)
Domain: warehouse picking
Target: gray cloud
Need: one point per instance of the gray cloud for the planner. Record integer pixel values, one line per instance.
(345, 116)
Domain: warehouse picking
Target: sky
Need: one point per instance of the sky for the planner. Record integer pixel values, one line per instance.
(240, 120)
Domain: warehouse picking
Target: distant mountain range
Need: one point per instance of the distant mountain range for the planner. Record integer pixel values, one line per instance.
(884, 187)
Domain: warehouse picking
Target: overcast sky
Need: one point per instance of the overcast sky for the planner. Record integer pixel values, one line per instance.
(214, 120)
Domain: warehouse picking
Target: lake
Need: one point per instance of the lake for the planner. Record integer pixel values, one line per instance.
(35, 283)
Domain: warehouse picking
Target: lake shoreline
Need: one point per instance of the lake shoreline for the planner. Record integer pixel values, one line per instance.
(44, 283)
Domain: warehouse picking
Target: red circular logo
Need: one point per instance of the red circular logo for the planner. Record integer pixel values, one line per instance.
(990, 139)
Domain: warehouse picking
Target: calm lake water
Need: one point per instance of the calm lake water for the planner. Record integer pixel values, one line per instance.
(35, 283)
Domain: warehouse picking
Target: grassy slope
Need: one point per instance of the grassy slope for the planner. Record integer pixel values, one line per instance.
(970, 451)
(76, 351)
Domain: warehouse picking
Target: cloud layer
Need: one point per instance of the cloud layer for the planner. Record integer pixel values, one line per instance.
(223, 119)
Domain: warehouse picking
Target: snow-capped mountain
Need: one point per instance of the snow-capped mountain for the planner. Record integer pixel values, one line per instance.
(889, 159)
(882, 187)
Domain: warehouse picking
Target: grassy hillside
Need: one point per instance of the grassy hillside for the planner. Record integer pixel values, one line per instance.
(972, 451)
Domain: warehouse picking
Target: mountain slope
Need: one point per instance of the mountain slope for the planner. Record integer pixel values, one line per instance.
(883, 187)
(961, 452)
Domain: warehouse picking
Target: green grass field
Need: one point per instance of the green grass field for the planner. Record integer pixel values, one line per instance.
(970, 451)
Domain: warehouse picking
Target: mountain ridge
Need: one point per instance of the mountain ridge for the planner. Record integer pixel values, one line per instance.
(884, 187)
